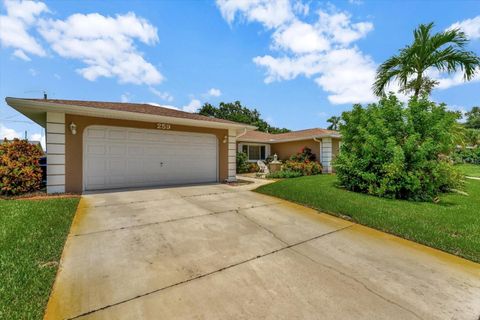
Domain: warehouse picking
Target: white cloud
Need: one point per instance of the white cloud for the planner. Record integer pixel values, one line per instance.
(11, 134)
(301, 8)
(8, 133)
(471, 27)
(14, 26)
(39, 137)
(33, 72)
(339, 27)
(347, 74)
(105, 44)
(57, 76)
(192, 106)
(214, 92)
(20, 54)
(162, 105)
(162, 95)
(300, 37)
(270, 13)
(322, 50)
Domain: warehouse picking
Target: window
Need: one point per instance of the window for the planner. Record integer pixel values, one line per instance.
(254, 152)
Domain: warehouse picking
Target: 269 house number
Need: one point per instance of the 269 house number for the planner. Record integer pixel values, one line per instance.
(163, 126)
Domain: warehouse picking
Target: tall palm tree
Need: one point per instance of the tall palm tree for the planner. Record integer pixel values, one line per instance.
(335, 121)
(444, 51)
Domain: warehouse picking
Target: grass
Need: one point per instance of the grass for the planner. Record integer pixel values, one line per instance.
(453, 225)
(32, 236)
(470, 170)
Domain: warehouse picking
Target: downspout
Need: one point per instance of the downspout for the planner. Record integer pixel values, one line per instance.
(242, 134)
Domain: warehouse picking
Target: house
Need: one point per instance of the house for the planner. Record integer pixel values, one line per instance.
(325, 144)
(93, 145)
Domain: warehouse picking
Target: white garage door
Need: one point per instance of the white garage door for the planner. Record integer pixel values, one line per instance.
(116, 157)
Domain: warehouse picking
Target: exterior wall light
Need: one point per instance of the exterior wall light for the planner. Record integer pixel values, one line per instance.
(73, 128)
(225, 139)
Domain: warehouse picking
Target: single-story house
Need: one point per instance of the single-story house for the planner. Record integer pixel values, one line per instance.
(102, 145)
(325, 144)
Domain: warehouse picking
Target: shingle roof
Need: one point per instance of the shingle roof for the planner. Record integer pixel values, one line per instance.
(279, 137)
(135, 107)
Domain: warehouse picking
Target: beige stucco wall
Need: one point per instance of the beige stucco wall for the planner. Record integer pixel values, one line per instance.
(74, 145)
(285, 149)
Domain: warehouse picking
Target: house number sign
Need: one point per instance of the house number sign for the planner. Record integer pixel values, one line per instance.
(163, 126)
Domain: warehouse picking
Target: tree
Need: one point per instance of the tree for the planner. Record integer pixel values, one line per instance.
(334, 122)
(473, 118)
(397, 151)
(444, 51)
(236, 112)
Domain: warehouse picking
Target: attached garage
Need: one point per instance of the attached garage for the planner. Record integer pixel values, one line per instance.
(107, 145)
(116, 157)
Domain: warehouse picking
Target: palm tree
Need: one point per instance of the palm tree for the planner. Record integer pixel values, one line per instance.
(335, 121)
(444, 51)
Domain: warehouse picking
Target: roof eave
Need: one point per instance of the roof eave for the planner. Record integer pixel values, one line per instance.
(29, 108)
(326, 135)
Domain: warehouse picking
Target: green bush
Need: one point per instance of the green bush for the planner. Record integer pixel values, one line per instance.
(284, 174)
(465, 155)
(20, 171)
(253, 167)
(397, 151)
(306, 168)
(304, 155)
(242, 163)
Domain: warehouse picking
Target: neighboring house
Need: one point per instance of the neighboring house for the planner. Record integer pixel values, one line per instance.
(325, 144)
(102, 145)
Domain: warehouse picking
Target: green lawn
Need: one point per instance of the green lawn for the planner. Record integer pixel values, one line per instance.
(32, 235)
(453, 225)
(470, 170)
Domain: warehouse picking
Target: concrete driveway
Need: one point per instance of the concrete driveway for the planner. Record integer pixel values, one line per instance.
(223, 252)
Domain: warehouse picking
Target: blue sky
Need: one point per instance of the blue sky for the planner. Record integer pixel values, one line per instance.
(296, 62)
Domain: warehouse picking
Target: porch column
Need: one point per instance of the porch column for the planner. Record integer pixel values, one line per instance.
(232, 155)
(326, 155)
(55, 139)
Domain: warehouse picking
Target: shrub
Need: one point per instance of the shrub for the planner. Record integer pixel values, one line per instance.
(253, 167)
(394, 151)
(19, 167)
(242, 162)
(305, 154)
(465, 155)
(306, 168)
(284, 174)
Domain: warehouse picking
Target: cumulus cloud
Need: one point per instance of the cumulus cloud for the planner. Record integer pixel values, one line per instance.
(214, 92)
(471, 27)
(321, 49)
(162, 95)
(15, 25)
(20, 54)
(8, 133)
(270, 13)
(106, 45)
(11, 134)
(192, 106)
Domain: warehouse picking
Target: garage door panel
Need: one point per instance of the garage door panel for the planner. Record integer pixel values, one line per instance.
(124, 157)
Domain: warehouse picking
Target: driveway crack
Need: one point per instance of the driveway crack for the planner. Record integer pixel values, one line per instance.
(357, 281)
(208, 273)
